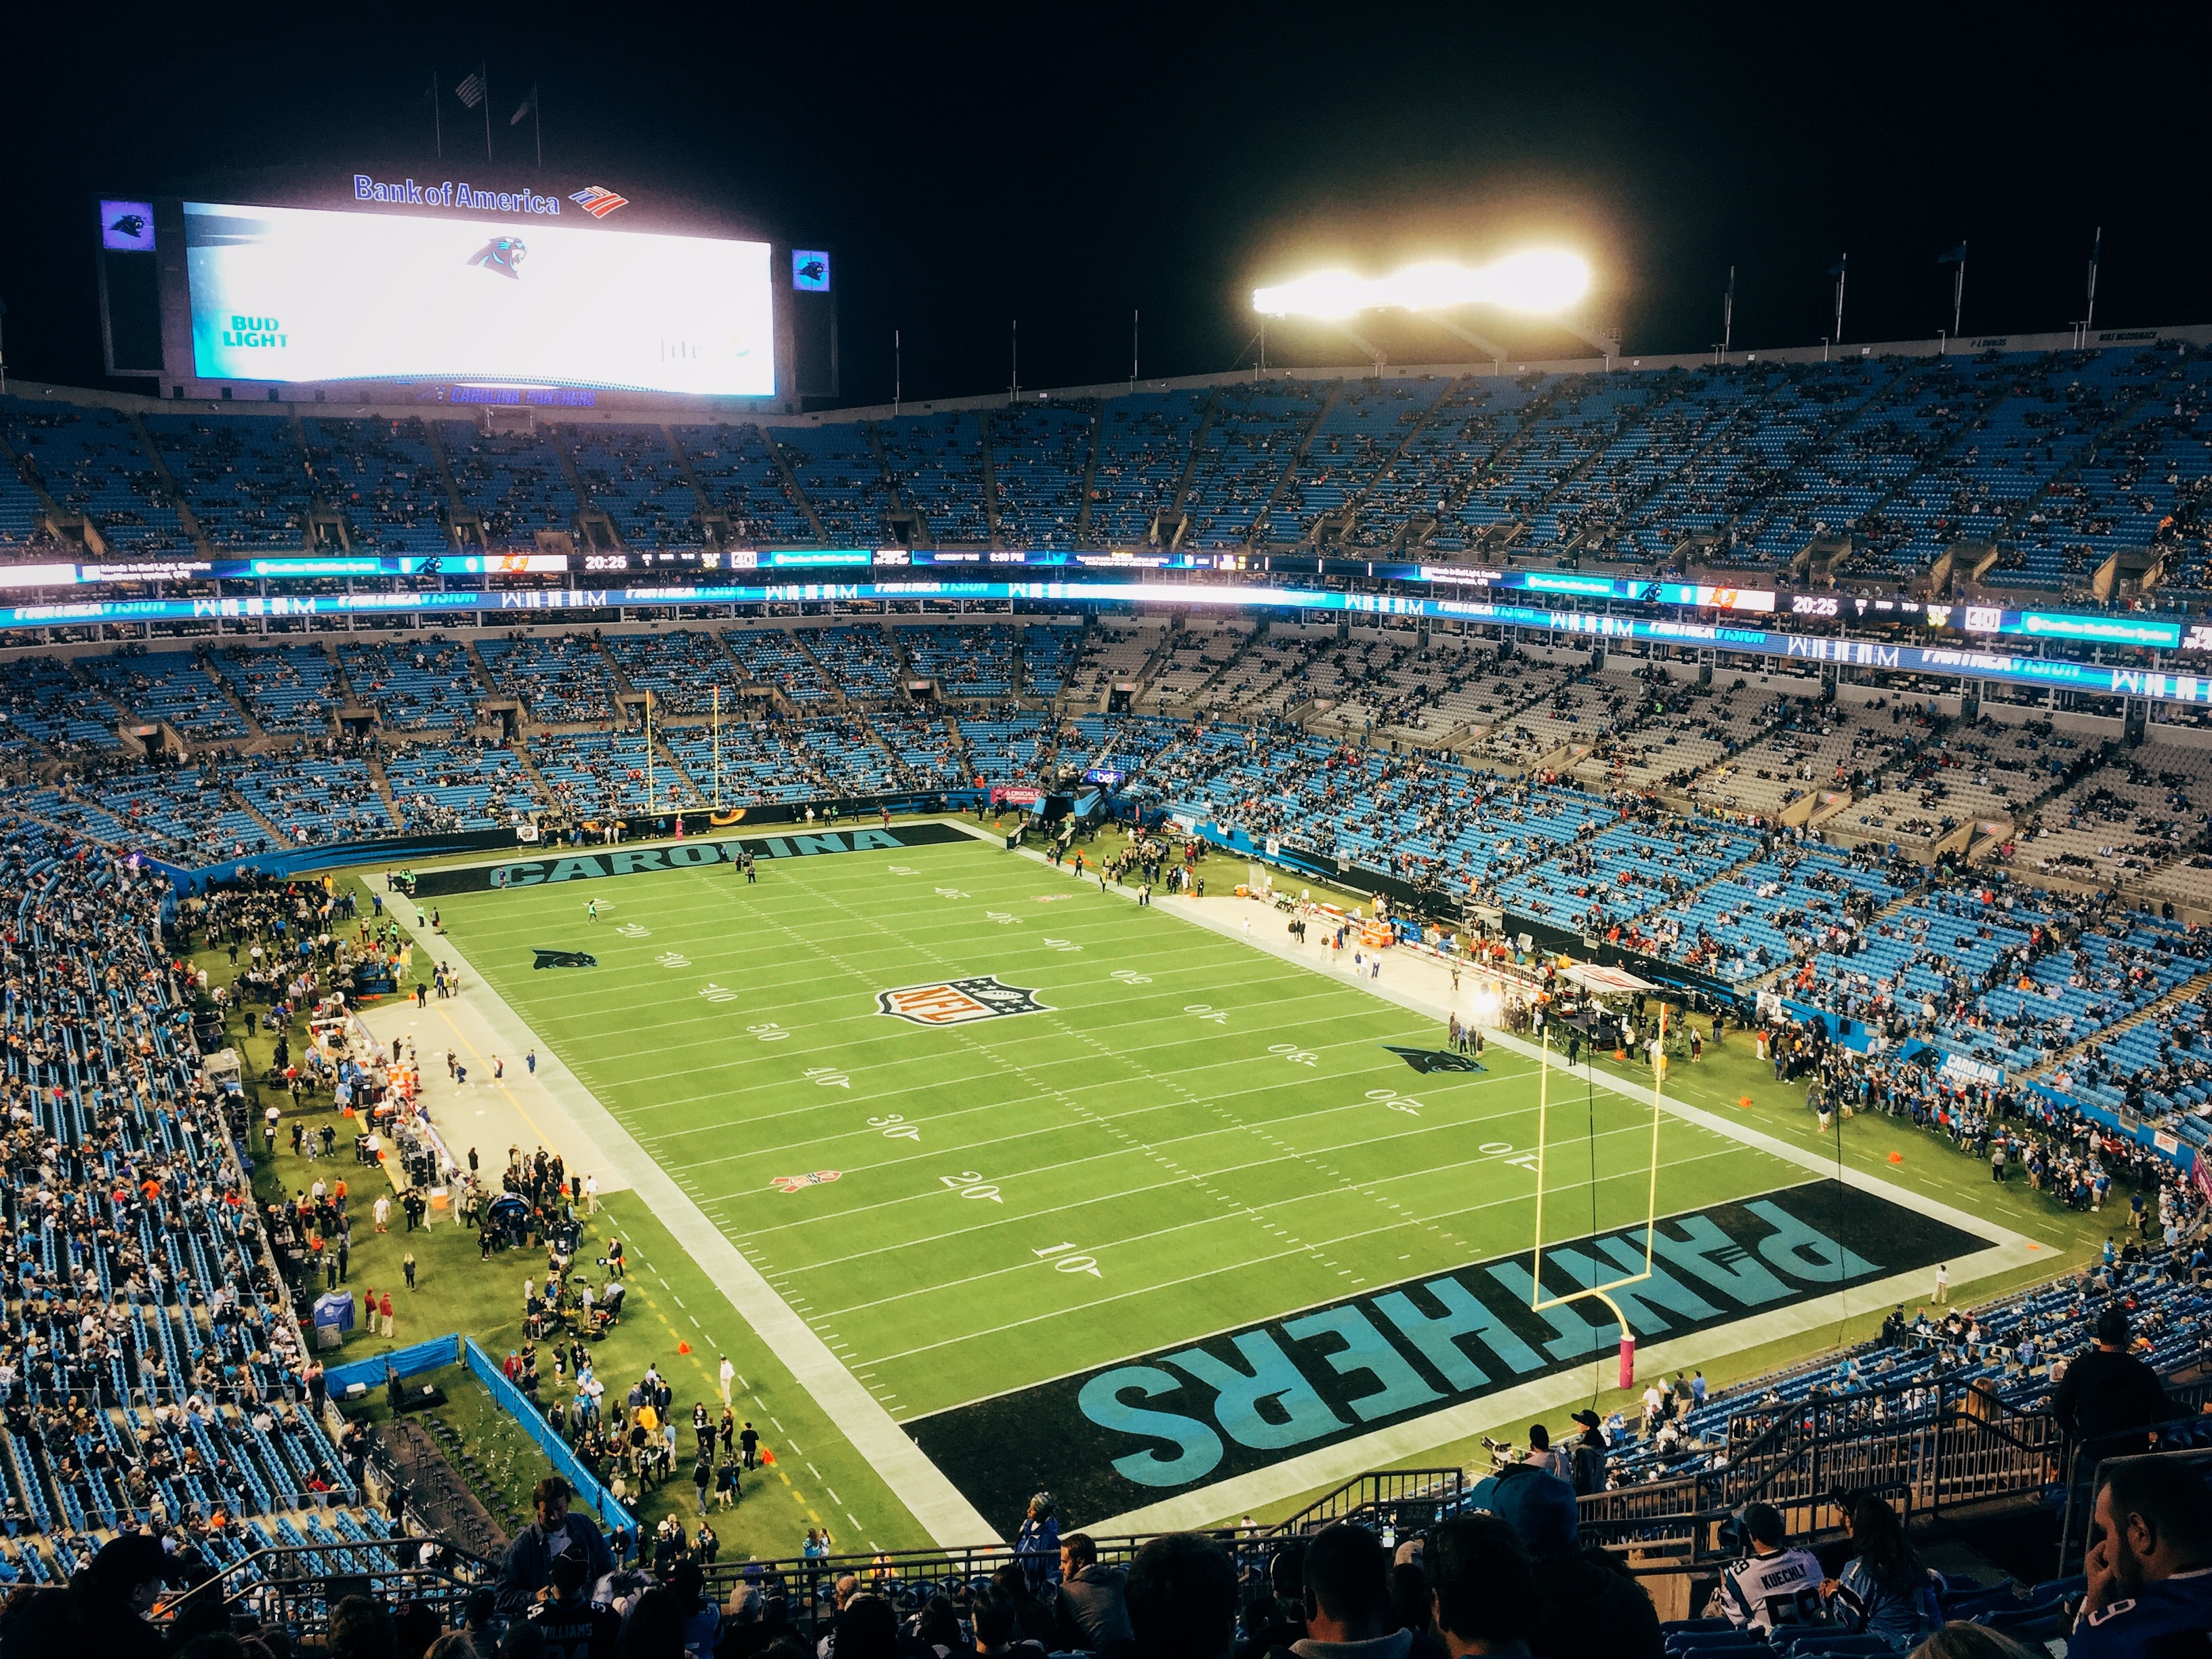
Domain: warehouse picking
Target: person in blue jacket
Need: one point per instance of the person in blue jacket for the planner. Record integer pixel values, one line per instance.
(1037, 1545)
(1884, 1591)
(2150, 1563)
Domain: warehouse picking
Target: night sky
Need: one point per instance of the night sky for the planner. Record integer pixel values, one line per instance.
(1062, 166)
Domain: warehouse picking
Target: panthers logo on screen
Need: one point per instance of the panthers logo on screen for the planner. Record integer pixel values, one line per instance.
(502, 254)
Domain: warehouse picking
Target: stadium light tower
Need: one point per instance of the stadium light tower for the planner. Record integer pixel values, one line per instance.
(1541, 282)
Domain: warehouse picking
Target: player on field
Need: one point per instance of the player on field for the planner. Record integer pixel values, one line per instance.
(591, 910)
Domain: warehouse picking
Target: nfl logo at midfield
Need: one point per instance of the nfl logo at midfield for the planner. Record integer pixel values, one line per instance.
(959, 1001)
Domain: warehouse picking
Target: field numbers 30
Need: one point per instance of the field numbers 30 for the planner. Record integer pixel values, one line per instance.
(896, 1127)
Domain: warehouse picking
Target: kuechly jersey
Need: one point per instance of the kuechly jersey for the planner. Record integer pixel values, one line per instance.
(1773, 1592)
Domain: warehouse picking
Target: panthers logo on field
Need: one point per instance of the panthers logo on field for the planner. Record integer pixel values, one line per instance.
(958, 1001)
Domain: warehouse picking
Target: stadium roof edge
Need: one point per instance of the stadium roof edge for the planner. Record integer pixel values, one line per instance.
(697, 411)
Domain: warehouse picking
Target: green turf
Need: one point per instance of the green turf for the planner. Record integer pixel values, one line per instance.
(1213, 1135)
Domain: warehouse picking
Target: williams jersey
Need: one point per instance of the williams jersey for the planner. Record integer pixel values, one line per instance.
(1773, 1592)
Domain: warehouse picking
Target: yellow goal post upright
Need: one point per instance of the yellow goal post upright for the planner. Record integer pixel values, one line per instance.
(1538, 1302)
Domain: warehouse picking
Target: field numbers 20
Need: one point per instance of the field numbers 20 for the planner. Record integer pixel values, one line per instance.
(1068, 1264)
(1130, 976)
(972, 1185)
(1396, 1101)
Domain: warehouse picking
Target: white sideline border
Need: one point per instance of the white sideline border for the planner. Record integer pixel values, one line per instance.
(941, 1508)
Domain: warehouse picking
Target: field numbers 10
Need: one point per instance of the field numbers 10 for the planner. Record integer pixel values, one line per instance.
(1210, 1015)
(972, 1185)
(1068, 1264)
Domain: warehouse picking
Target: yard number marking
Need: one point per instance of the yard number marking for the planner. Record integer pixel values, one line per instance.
(972, 1185)
(1069, 1264)
(896, 1127)
(1213, 1016)
(1292, 1052)
(829, 1077)
(1396, 1101)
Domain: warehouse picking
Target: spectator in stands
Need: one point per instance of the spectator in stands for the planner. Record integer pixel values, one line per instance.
(1484, 1590)
(1038, 1543)
(362, 1629)
(1091, 1611)
(1347, 1598)
(567, 1623)
(1884, 1591)
(1590, 1605)
(526, 1576)
(2150, 1566)
(1587, 1461)
(1541, 1454)
(2108, 1388)
(116, 1592)
(1182, 1595)
(1771, 1586)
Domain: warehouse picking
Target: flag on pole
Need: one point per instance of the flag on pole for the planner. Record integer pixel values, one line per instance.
(471, 92)
(1956, 256)
(528, 105)
(1837, 269)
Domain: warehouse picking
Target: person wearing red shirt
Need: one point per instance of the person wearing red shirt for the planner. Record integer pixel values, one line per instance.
(386, 1308)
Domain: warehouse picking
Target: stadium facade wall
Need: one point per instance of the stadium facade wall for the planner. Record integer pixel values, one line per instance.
(398, 400)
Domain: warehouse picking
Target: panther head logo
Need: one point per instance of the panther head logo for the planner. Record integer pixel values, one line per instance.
(502, 254)
(132, 225)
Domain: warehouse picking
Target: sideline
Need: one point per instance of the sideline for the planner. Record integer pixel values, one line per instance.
(942, 1509)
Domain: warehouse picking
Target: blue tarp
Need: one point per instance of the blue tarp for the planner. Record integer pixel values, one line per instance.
(516, 1404)
(432, 1356)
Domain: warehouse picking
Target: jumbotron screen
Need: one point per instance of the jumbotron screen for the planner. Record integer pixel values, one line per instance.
(306, 294)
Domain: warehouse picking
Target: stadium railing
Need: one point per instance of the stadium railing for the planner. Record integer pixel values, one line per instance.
(1963, 1448)
(1409, 1500)
(296, 1585)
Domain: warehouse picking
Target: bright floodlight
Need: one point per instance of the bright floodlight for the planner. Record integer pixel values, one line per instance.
(1541, 280)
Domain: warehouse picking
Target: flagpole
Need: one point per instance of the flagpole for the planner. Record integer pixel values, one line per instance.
(483, 75)
(2096, 248)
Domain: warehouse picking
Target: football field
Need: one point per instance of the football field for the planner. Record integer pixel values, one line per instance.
(993, 1132)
